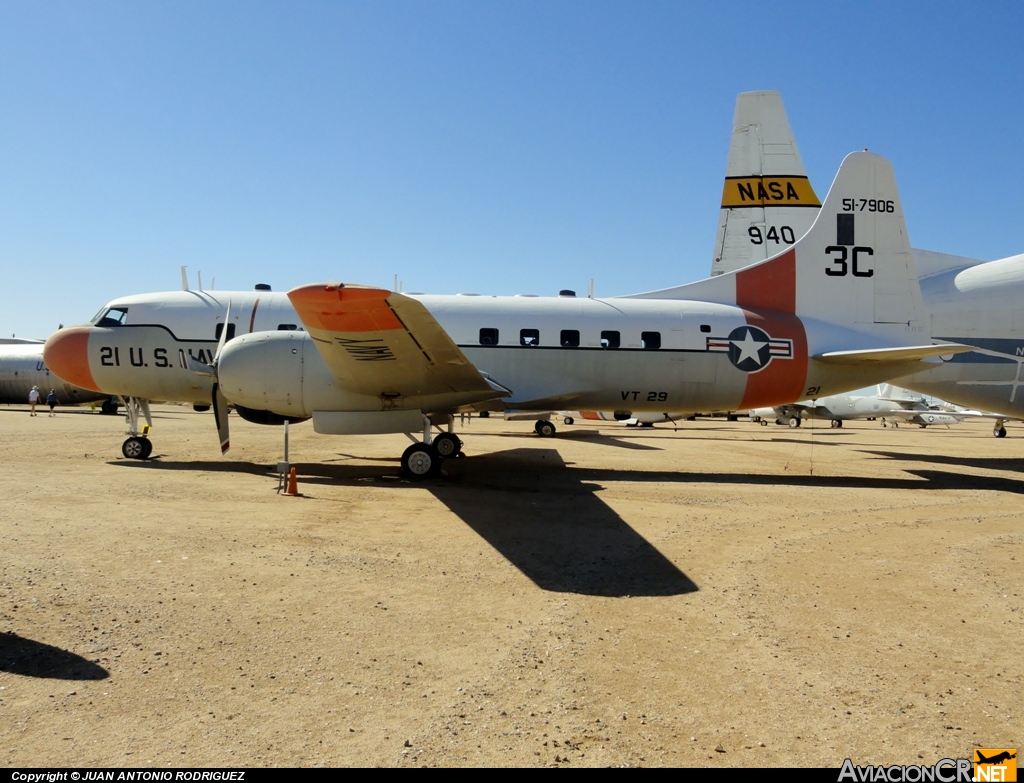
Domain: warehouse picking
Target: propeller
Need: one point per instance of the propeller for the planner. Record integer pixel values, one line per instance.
(220, 403)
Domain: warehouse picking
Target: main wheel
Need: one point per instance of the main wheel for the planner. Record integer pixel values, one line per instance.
(764, 422)
(109, 407)
(545, 429)
(136, 448)
(794, 422)
(1000, 433)
(448, 445)
(421, 461)
(569, 420)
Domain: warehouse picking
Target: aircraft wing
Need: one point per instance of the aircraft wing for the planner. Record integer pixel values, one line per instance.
(901, 355)
(378, 342)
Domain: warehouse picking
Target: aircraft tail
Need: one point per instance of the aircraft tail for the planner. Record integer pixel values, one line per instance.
(853, 268)
(767, 202)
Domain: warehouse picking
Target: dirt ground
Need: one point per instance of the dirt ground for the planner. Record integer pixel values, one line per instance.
(722, 594)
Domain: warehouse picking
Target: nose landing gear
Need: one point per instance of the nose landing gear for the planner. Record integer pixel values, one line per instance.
(138, 445)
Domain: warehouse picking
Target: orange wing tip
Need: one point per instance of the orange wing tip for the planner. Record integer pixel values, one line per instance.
(66, 353)
(335, 307)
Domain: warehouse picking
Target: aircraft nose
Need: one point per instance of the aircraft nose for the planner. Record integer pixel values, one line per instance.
(66, 353)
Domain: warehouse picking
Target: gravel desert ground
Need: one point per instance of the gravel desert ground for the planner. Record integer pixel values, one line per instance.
(718, 594)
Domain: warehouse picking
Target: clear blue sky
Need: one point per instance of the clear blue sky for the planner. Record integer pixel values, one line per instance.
(517, 147)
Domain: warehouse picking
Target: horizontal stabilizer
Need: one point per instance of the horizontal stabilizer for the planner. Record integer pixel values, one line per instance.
(910, 353)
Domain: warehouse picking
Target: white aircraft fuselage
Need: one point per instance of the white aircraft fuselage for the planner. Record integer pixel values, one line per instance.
(22, 367)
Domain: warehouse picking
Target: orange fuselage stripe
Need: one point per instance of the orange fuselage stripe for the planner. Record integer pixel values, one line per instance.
(767, 295)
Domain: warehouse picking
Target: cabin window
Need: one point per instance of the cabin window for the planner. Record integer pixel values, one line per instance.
(570, 338)
(650, 341)
(282, 328)
(706, 328)
(609, 339)
(115, 316)
(220, 328)
(488, 337)
(529, 337)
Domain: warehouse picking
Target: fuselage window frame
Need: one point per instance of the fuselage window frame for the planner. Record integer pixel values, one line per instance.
(110, 317)
(529, 337)
(570, 338)
(610, 339)
(488, 336)
(220, 328)
(650, 341)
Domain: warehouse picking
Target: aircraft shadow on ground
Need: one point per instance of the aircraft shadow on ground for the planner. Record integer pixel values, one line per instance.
(29, 658)
(554, 528)
(984, 463)
(591, 436)
(545, 517)
(527, 505)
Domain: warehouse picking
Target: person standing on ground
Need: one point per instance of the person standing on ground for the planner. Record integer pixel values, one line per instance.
(33, 398)
(51, 400)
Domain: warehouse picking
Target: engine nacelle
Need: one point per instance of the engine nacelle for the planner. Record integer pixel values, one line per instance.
(265, 371)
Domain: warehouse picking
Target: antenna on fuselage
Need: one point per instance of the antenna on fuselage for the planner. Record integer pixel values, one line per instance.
(184, 279)
(590, 289)
(199, 277)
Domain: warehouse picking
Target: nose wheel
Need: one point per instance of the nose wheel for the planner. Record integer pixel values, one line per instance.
(137, 447)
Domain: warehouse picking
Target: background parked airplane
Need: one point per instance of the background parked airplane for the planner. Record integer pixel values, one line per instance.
(883, 402)
(969, 301)
(22, 367)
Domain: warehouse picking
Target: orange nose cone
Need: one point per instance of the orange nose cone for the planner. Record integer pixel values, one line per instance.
(66, 353)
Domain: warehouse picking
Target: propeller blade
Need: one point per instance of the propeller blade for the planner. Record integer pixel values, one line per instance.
(220, 413)
(220, 403)
(223, 335)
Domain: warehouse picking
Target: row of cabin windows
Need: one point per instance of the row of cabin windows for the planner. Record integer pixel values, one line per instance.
(231, 330)
(570, 338)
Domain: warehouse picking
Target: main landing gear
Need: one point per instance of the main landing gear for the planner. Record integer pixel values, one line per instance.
(837, 423)
(423, 460)
(545, 429)
(138, 445)
(999, 430)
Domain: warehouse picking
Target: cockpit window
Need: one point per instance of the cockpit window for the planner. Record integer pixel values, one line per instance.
(111, 316)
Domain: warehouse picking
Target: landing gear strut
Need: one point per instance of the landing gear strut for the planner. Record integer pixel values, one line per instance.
(138, 445)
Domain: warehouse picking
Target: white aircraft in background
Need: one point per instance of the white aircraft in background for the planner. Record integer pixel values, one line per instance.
(884, 402)
(968, 301)
(22, 367)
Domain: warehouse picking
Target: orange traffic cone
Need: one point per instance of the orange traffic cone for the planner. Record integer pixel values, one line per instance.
(293, 485)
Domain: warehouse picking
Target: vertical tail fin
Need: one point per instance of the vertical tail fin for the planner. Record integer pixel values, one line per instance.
(853, 268)
(767, 202)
